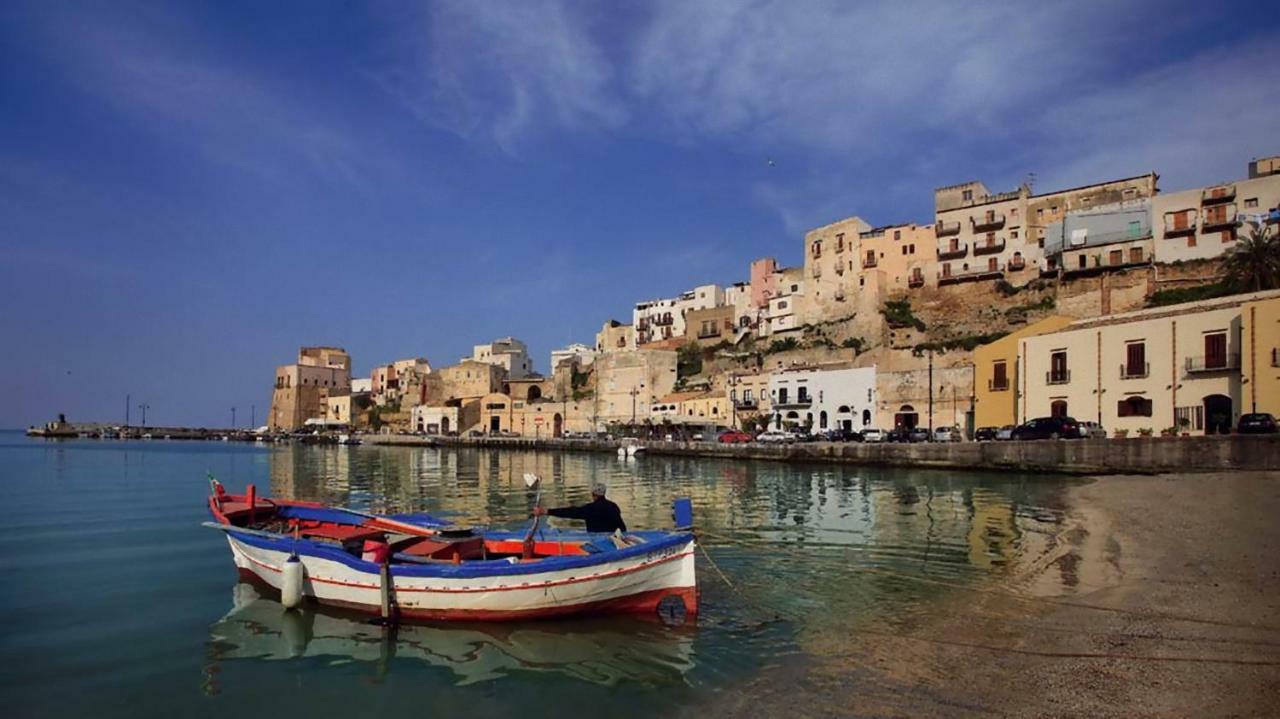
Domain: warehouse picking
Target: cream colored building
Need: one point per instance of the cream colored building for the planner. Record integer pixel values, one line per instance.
(832, 266)
(664, 319)
(998, 377)
(1205, 222)
(577, 352)
(468, 379)
(787, 309)
(615, 337)
(748, 396)
(386, 381)
(501, 413)
(1260, 363)
(702, 408)
(711, 326)
(1177, 366)
(301, 389)
(990, 236)
(508, 353)
(436, 419)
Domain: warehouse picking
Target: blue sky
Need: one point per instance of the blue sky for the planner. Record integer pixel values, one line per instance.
(189, 193)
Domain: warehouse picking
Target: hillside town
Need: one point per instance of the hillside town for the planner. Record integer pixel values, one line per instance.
(1106, 302)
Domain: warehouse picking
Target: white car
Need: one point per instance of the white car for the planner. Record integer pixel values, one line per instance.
(872, 435)
(1092, 430)
(775, 436)
(1005, 433)
(946, 434)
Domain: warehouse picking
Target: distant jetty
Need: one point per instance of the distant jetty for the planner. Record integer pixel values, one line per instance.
(62, 429)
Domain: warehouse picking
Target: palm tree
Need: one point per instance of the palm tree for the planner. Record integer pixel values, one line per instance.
(1253, 264)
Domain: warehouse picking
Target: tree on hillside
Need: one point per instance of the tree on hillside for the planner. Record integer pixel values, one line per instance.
(1253, 264)
(689, 360)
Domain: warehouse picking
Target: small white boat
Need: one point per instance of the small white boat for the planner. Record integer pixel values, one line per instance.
(630, 447)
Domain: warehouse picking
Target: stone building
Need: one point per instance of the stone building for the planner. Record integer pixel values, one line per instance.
(832, 266)
(503, 414)
(920, 397)
(664, 319)
(626, 384)
(1204, 222)
(302, 388)
(704, 408)
(991, 236)
(577, 352)
(711, 326)
(1100, 239)
(1178, 366)
(386, 381)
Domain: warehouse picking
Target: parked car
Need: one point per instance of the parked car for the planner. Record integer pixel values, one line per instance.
(1005, 433)
(1257, 423)
(840, 435)
(985, 434)
(775, 436)
(918, 434)
(475, 433)
(1048, 428)
(733, 436)
(947, 434)
(1092, 430)
(872, 434)
(898, 434)
(802, 435)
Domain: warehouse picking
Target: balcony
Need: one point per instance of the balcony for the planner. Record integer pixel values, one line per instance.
(1181, 223)
(1135, 371)
(990, 221)
(1221, 193)
(1213, 363)
(970, 276)
(1057, 377)
(745, 404)
(914, 282)
(954, 254)
(998, 385)
(942, 229)
(1220, 217)
(1017, 264)
(988, 248)
(708, 334)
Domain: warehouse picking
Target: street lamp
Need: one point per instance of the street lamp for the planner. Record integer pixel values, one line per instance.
(233, 418)
(144, 407)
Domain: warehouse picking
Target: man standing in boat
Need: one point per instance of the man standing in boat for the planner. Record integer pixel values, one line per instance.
(600, 514)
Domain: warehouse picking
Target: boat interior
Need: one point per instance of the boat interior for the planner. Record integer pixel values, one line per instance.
(415, 539)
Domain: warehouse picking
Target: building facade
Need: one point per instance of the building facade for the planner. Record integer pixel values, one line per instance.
(508, 353)
(1102, 238)
(302, 388)
(711, 326)
(748, 396)
(818, 398)
(576, 352)
(627, 384)
(1167, 367)
(1205, 222)
(615, 337)
(997, 380)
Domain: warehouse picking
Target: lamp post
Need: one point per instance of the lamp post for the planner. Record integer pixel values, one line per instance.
(233, 418)
(144, 407)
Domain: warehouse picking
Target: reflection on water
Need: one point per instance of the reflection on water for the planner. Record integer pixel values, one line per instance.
(824, 548)
(599, 651)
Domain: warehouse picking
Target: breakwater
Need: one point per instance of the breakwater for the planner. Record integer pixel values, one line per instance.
(1141, 455)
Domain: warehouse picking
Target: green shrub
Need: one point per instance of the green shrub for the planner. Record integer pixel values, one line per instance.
(1163, 298)
(898, 314)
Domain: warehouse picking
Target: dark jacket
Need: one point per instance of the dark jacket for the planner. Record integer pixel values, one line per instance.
(601, 515)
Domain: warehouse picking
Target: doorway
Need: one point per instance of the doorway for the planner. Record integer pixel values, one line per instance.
(1217, 414)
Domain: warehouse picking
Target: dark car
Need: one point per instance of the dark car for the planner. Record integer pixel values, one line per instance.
(897, 434)
(985, 434)
(1048, 428)
(841, 435)
(1257, 423)
(918, 434)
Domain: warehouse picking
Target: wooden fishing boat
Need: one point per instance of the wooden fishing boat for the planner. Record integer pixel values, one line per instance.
(414, 566)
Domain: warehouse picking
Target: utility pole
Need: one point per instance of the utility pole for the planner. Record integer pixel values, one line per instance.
(930, 394)
(253, 416)
(144, 407)
(127, 400)
(233, 418)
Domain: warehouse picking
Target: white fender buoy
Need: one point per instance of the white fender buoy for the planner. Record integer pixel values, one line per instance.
(291, 580)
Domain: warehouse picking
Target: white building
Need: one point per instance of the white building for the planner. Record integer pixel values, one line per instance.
(782, 313)
(663, 319)
(434, 419)
(582, 353)
(508, 353)
(822, 399)
(363, 385)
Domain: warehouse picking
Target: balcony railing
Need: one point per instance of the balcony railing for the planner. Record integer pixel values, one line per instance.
(798, 402)
(746, 404)
(985, 273)
(1173, 228)
(914, 282)
(942, 229)
(987, 248)
(1221, 193)
(954, 254)
(1135, 371)
(1213, 363)
(1057, 377)
(998, 385)
(993, 221)
(1220, 216)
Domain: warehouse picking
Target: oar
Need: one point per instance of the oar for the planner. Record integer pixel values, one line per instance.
(532, 481)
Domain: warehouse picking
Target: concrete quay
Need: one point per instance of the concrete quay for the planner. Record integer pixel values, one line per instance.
(1140, 455)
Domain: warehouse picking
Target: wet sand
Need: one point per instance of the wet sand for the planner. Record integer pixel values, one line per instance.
(1159, 596)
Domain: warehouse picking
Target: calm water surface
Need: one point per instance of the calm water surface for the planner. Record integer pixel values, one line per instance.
(116, 602)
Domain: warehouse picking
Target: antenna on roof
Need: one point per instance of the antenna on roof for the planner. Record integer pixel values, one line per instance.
(1030, 182)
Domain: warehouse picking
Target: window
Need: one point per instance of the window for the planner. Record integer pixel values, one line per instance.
(897, 234)
(1191, 418)
(1040, 213)
(1134, 407)
(1058, 408)
(1135, 229)
(999, 376)
(993, 264)
(1058, 372)
(946, 269)
(782, 395)
(795, 288)
(1135, 254)
(782, 305)
(1215, 350)
(1228, 236)
(840, 242)
(746, 396)
(911, 249)
(802, 394)
(816, 249)
(1013, 234)
(1191, 240)
(968, 196)
(1251, 202)
(1117, 257)
(1084, 261)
